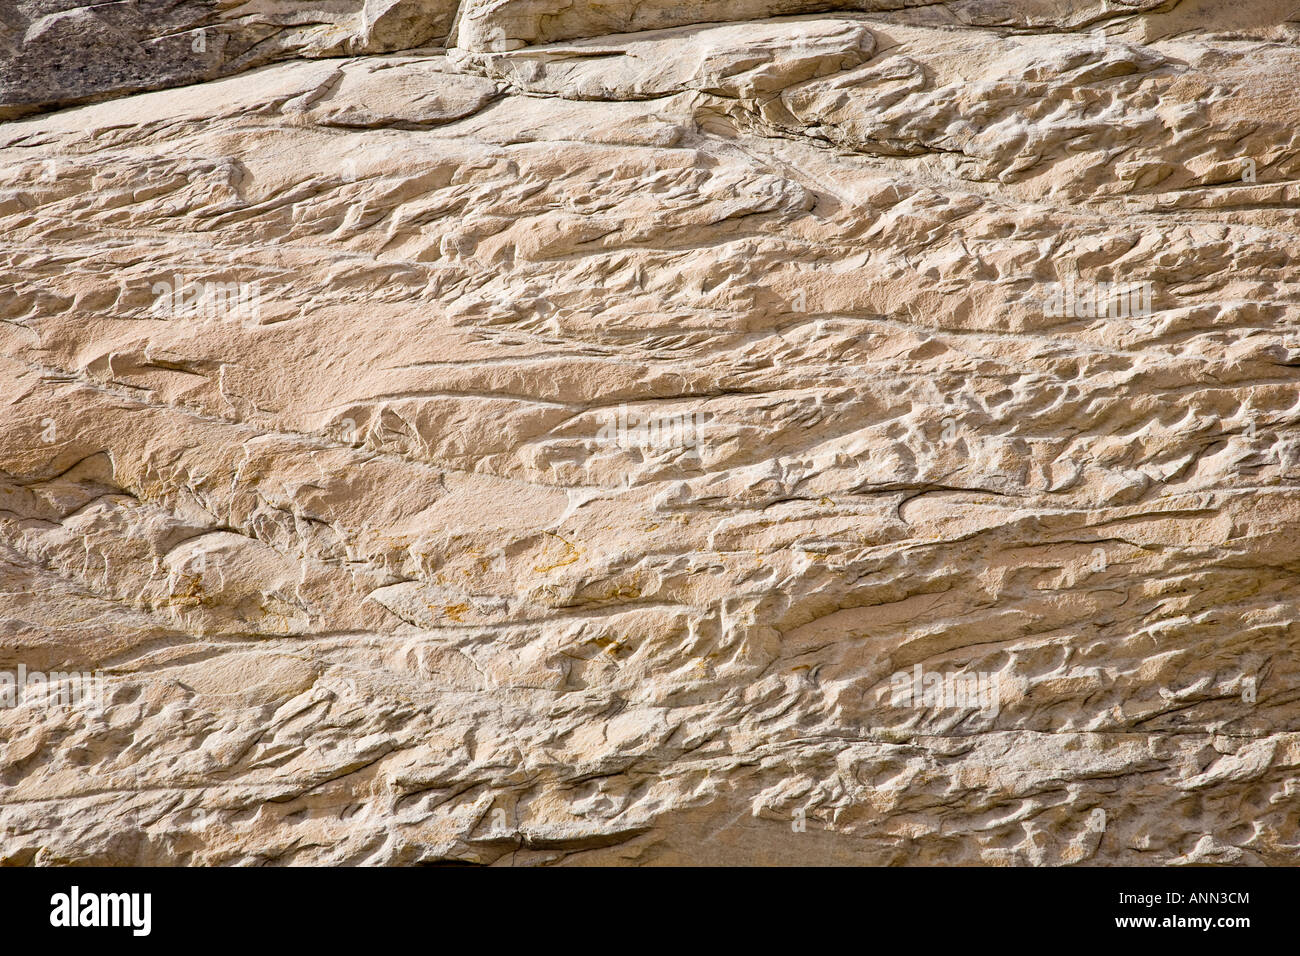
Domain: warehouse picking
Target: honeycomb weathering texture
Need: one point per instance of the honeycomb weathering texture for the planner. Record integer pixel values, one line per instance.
(614, 433)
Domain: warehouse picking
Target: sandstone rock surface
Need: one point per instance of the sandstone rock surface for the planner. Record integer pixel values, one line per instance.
(651, 433)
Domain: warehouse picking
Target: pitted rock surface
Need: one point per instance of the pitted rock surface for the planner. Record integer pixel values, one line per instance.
(651, 433)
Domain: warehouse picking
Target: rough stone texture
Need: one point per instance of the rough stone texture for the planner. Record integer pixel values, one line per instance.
(57, 52)
(370, 583)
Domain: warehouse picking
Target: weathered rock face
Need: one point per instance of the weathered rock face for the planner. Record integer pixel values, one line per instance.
(56, 52)
(602, 433)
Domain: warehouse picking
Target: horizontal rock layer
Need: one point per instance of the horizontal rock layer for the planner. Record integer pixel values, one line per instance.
(762, 432)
